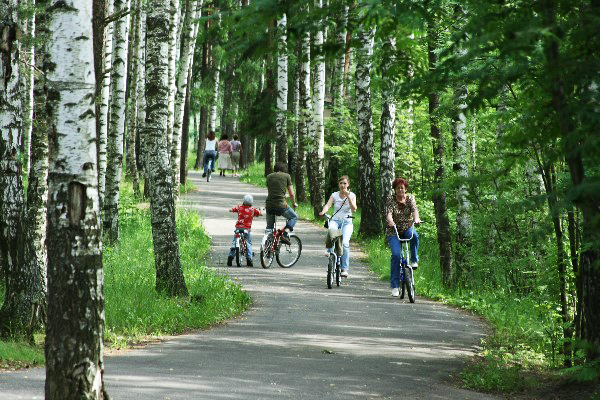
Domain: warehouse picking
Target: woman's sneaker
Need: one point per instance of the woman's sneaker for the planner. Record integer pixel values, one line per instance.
(414, 265)
(344, 273)
(395, 292)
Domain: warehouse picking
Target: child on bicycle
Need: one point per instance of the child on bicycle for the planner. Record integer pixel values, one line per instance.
(246, 214)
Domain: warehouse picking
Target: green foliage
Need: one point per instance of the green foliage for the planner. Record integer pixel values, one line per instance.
(135, 311)
(15, 355)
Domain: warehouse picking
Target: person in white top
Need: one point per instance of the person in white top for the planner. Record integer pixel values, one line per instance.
(210, 151)
(344, 204)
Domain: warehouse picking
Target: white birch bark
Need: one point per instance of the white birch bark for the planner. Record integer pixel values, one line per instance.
(387, 151)
(104, 105)
(169, 275)
(141, 86)
(27, 74)
(370, 222)
(116, 131)
(175, 15)
(74, 360)
(132, 103)
(338, 80)
(212, 120)
(188, 46)
(282, 91)
(306, 137)
(459, 136)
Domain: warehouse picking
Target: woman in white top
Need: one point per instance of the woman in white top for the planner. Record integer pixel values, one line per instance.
(344, 204)
(210, 151)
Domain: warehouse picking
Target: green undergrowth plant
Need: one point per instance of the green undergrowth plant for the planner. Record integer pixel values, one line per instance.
(135, 311)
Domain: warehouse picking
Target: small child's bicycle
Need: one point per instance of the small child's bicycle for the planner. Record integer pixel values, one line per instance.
(241, 246)
(272, 247)
(407, 278)
(334, 264)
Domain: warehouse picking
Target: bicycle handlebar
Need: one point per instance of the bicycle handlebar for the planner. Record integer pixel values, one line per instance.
(411, 236)
(329, 216)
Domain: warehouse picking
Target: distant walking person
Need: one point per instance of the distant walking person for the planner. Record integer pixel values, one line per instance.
(344, 204)
(210, 151)
(236, 148)
(402, 212)
(276, 204)
(224, 155)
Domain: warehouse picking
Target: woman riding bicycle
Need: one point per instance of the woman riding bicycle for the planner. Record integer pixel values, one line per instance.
(344, 204)
(402, 212)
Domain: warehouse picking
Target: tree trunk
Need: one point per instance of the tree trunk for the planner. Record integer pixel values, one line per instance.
(16, 309)
(74, 344)
(185, 134)
(132, 112)
(387, 165)
(188, 45)
(439, 196)
(141, 96)
(114, 146)
(305, 117)
(203, 108)
(105, 104)
(316, 152)
(174, 22)
(281, 141)
(586, 200)
(169, 274)
(370, 222)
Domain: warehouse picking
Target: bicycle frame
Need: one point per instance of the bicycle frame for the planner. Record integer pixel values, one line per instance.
(406, 279)
(337, 252)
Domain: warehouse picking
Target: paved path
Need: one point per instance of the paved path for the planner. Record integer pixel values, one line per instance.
(299, 340)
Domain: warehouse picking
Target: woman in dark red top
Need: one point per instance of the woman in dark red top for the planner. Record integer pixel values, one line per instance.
(402, 212)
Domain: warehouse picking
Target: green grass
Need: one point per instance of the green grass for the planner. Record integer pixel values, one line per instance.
(134, 311)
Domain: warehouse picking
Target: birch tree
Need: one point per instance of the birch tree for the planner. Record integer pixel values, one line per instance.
(104, 104)
(132, 111)
(282, 91)
(316, 154)
(114, 148)
(169, 274)
(174, 21)
(370, 223)
(74, 334)
(387, 150)
(305, 113)
(188, 46)
(439, 196)
(13, 314)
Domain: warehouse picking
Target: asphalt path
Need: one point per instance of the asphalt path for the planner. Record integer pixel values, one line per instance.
(299, 340)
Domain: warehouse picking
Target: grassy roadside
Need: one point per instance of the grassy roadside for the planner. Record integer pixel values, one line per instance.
(134, 311)
(512, 360)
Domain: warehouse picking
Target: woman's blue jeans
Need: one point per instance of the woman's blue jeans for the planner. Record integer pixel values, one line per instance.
(210, 155)
(394, 244)
(345, 224)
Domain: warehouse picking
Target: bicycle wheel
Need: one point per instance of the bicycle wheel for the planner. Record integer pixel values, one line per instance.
(209, 171)
(330, 271)
(266, 252)
(338, 274)
(238, 256)
(288, 254)
(410, 283)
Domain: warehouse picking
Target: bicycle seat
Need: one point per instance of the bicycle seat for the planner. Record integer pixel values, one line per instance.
(241, 230)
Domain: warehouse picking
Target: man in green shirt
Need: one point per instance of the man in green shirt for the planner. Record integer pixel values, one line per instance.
(277, 184)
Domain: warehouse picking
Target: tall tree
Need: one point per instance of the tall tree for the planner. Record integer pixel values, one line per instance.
(316, 149)
(104, 102)
(74, 344)
(305, 112)
(439, 196)
(281, 141)
(174, 21)
(14, 310)
(116, 131)
(370, 223)
(188, 45)
(133, 100)
(169, 274)
(387, 152)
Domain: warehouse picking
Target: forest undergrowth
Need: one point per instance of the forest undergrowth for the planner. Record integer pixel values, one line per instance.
(519, 357)
(135, 312)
